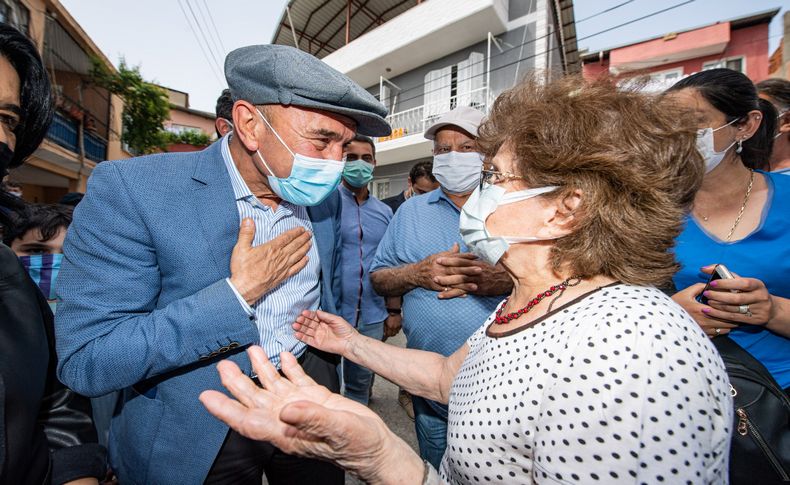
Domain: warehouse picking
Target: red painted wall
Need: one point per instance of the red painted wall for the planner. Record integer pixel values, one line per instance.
(750, 42)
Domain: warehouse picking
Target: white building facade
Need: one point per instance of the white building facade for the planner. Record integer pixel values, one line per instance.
(423, 58)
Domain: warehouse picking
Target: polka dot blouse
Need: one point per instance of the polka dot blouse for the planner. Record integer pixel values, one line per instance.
(617, 386)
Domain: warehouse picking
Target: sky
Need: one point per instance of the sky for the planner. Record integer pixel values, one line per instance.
(160, 37)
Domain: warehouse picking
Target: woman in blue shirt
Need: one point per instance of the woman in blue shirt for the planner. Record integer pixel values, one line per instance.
(739, 219)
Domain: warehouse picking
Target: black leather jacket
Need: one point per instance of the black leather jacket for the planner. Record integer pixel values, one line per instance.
(46, 433)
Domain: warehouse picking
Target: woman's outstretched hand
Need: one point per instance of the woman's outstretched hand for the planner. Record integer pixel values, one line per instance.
(303, 418)
(324, 331)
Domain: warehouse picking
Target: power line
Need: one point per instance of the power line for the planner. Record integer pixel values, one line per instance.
(211, 33)
(531, 41)
(658, 12)
(203, 35)
(219, 37)
(202, 49)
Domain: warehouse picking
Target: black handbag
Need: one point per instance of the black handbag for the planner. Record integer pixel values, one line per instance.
(760, 450)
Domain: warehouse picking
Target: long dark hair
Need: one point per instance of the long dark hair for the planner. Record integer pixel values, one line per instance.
(734, 94)
(36, 104)
(35, 94)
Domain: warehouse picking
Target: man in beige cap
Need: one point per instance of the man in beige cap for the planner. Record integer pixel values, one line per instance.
(420, 259)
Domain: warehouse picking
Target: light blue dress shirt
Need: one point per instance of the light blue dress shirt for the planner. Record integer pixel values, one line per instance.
(276, 311)
(362, 227)
(424, 225)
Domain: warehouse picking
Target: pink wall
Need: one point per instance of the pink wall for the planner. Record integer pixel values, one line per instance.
(712, 36)
(750, 42)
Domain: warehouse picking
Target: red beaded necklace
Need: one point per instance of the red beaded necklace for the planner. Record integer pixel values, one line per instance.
(503, 319)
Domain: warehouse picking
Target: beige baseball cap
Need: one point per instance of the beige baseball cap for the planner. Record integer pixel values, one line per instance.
(464, 117)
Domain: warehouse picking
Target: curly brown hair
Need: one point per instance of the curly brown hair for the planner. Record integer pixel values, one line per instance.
(632, 155)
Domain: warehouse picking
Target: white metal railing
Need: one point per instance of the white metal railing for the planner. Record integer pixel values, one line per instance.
(416, 120)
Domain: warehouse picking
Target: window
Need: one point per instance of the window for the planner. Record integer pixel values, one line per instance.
(178, 129)
(381, 188)
(461, 84)
(14, 13)
(669, 77)
(734, 63)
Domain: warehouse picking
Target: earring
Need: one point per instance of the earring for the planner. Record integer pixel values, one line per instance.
(739, 148)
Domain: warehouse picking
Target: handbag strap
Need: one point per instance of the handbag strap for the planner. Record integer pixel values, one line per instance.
(728, 348)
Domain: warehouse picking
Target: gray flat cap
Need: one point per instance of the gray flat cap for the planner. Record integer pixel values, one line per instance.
(278, 74)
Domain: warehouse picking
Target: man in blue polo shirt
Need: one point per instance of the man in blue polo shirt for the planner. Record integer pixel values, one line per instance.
(447, 294)
(363, 223)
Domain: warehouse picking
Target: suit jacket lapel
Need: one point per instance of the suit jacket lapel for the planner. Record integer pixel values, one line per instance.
(214, 204)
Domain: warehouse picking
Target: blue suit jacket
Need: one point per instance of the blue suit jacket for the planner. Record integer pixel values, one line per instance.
(145, 302)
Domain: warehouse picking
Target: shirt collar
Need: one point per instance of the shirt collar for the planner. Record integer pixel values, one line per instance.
(240, 189)
(436, 195)
(348, 193)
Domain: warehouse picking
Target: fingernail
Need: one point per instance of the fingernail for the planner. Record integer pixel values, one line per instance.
(706, 293)
(246, 222)
(706, 310)
(714, 283)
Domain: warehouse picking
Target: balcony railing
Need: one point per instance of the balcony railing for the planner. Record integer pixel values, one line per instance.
(65, 132)
(95, 147)
(416, 120)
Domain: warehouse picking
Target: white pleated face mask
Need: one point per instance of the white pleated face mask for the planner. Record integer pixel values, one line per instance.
(481, 204)
(458, 172)
(705, 147)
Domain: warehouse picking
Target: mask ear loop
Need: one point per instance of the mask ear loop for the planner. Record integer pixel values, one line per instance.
(278, 138)
(274, 131)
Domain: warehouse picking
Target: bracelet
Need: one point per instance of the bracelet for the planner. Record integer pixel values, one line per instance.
(394, 311)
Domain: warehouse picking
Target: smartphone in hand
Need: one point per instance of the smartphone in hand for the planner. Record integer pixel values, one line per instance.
(720, 272)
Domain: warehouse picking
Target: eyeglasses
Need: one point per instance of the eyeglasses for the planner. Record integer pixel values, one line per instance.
(490, 176)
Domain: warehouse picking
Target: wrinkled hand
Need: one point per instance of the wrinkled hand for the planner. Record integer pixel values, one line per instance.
(725, 305)
(432, 269)
(392, 326)
(257, 270)
(303, 418)
(324, 331)
(489, 281)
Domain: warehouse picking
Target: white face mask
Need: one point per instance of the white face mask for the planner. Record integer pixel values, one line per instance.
(458, 172)
(481, 204)
(779, 123)
(705, 147)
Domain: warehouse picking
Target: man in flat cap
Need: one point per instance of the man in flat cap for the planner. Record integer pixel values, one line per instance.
(177, 261)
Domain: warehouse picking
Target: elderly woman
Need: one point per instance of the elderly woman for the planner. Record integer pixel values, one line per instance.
(586, 372)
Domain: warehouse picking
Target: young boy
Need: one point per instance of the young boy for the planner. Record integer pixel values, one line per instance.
(36, 237)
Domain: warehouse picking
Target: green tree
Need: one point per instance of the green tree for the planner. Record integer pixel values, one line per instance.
(146, 106)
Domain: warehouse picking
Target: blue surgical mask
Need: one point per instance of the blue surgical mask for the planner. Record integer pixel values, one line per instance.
(358, 173)
(481, 204)
(311, 179)
(458, 172)
(44, 269)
